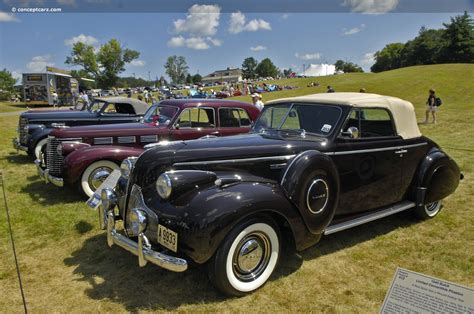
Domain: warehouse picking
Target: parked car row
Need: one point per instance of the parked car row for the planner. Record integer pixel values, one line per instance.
(216, 183)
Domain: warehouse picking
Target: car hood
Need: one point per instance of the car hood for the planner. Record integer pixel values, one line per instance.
(57, 116)
(104, 130)
(233, 153)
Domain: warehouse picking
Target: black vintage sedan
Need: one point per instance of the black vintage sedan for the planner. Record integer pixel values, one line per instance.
(313, 166)
(34, 126)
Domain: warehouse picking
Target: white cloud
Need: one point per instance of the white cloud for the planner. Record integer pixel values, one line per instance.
(214, 41)
(138, 63)
(353, 30)
(39, 63)
(7, 17)
(371, 6)
(238, 24)
(85, 39)
(17, 75)
(258, 48)
(368, 59)
(196, 43)
(308, 56)
(201, 20)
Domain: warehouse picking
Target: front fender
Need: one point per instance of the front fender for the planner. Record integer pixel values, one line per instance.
(36, 133)
(204, 217)
(437, 177)
(78, 160)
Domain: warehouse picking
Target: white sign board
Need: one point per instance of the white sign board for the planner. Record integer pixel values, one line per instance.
(413, 292)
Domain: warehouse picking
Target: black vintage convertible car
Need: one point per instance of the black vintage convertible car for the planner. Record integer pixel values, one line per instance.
(313, 166)
(34, 126)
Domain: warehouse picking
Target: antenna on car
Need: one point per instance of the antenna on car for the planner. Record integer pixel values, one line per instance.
(13, 242)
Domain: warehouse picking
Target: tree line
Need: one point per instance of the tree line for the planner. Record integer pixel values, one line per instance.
(454, 43)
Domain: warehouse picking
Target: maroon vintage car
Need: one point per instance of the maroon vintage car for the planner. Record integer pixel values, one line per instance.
(86, 155)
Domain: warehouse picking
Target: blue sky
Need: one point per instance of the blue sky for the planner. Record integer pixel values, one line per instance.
(211, 37)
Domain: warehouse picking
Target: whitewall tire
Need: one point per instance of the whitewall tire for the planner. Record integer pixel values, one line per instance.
(95, 174)
(429, 211)
(247, 257)
(39, 147)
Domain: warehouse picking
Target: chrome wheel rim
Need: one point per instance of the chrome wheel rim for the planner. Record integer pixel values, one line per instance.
(432, 208)
(251, 256)
(98, 176)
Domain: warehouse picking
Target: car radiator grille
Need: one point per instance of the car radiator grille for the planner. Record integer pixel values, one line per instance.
(54, 161)
(22, 133)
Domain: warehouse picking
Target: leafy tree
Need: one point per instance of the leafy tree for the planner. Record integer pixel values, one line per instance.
(7, 82)
(189, 79)
(287, 72)
(423, 49)
(388, 58)
(177, 69)
(266, 68)
(197, 78)
(459, 36)
(103, 64)
(249, 67)
(347, 67)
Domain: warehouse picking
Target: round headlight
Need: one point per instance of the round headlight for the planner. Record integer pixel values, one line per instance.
(127, 166)
(163, 186)
(137, 221)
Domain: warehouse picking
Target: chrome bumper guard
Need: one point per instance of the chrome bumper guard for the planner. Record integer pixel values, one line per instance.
(17, 145)
(142, 248)
(44, 174)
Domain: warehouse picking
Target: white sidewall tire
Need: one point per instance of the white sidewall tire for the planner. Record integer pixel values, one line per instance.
(275, 251)
(39, 146)
(434, 212)
(85, 175)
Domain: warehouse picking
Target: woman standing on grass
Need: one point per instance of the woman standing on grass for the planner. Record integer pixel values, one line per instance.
(432, 106)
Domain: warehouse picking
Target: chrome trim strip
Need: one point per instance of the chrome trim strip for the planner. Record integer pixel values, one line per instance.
(370, 217)
(243, 160)
(126, 139)
(103, 140)
(374, 149)
(148, 138)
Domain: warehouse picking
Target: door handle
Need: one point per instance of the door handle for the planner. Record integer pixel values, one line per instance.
(215, 133)
(401, 151)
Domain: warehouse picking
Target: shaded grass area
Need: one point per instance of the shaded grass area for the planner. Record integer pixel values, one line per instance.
(67, 265)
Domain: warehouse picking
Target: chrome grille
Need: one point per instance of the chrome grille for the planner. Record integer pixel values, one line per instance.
(126, 139)
(22, 133)
(103, 141)
(54, 161)
(149, 138)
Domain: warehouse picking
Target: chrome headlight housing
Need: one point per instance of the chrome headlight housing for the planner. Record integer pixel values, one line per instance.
(164, 186)
(138, 221)
(59, 149)
(127, 166)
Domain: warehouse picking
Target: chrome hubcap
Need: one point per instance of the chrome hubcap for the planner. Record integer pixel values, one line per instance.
(432, 208)
(98, 176)
(251, 256)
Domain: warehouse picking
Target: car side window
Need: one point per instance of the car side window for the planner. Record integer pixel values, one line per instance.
(124, 108)
(233, 118)
(196, 118)
(109, 108)
(370, 122)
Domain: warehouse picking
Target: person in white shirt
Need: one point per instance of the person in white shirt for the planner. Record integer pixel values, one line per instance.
(257, 101)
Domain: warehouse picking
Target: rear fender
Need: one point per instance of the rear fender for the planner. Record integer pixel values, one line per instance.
(77, 161)
(437, 177)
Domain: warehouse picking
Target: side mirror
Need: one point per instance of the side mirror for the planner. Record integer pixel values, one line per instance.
(176, 126)
(351, 132)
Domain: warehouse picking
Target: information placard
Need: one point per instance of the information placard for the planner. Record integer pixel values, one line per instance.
(412, 292)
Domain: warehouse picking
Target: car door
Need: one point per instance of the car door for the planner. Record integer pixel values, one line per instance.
(194, 123)
(370, 164)
(233, 121)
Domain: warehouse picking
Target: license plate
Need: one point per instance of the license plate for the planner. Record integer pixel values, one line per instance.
(94, 201)
(168, 238)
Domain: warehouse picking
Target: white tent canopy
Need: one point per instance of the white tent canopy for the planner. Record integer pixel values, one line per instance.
(319, 70)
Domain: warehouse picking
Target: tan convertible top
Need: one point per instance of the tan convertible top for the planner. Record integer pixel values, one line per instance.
(402, 111)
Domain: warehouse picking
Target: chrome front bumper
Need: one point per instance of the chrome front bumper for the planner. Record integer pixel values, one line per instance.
(142, 248)
(17, 145)
(44, 174)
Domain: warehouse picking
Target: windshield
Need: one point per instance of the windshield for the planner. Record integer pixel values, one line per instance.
(161, 114)
(96, 106)
(304, 118)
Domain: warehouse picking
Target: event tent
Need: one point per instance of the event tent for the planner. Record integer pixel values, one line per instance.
(319, 70)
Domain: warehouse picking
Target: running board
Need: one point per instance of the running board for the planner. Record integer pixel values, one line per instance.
(399, 207)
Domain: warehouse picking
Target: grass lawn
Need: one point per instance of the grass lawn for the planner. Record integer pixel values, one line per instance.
(11, 107)
(67, 266)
